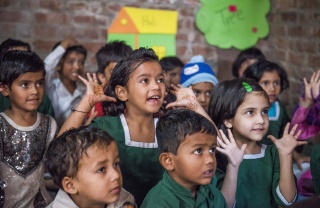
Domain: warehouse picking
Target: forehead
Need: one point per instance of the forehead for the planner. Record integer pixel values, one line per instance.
(176, 69)
(254, 100)
(199, 138)
(149, 68)
(31, 76)
(270, 75)
(99, 151)
(74, 55)
(203, 86)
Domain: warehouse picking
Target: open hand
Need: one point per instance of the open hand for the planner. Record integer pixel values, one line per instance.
(230, 149)
(95, 92)
(185, 98)
(289, 141)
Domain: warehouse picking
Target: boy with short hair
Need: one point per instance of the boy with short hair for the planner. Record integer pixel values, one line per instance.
(84, 164)
(187, 143)
(24, 133)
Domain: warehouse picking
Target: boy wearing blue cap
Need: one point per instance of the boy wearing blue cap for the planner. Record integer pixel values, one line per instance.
(201, 78)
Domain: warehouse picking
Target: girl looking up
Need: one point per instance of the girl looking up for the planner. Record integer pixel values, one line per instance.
(242, 105)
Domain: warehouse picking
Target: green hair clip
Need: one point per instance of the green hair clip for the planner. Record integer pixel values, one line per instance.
(247, 86)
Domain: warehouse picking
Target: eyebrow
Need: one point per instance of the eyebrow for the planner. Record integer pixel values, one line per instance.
(149, 75)
(203, 144)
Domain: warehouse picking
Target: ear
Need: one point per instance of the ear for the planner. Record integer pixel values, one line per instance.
(228, 123)
(122, 93)
(68, 185)
(166, 160)
(4, 89)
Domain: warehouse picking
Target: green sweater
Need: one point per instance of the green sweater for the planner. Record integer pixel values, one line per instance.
(315, 168)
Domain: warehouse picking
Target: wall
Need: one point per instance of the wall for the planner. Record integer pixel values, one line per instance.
(294, 38)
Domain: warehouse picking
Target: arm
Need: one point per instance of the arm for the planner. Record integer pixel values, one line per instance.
(93, 95)
(285, 147)
(235, 157)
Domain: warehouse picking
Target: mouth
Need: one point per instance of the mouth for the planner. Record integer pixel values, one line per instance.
(75, 74)
(153, 99)
(209, 173)
(116, 190)
(258, 130)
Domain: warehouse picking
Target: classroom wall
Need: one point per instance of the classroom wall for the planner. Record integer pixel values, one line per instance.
(294, 39)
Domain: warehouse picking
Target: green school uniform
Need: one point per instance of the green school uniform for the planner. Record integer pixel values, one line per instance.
(315, 168)
(139, 162)
(45, 107)
(277, 122)
(258, 180)
(169, 194)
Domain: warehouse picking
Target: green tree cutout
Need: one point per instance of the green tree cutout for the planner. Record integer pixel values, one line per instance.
(233, 23)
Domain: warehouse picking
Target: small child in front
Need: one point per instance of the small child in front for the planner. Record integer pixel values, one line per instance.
(85, 164)
(187, 143)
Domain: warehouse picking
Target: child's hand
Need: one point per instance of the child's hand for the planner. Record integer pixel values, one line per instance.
(289, 141)
(69, 42)
(230, 149)
(93, 114)
(299, 158)
(315, 84)
(185, 98)
(95, 91)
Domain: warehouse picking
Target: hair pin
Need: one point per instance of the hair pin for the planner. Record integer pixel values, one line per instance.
(247, 86)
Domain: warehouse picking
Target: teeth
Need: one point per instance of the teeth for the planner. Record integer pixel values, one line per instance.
(155, 97)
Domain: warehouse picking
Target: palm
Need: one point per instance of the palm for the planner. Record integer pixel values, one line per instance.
(185, 98)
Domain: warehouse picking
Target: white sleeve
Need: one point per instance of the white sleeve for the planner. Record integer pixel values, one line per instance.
(52, 60)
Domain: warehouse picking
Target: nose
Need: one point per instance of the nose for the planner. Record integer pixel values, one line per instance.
(33, 89)
(201, 98)
(260, 119)
(155, 85)
(115, 174)
(210, 158)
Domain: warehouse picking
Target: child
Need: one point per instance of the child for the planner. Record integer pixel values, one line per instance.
(187, 144)
(11, 44)
(201, 78)
(245, 59)
(137, 89)
(24, 133)
(241, 105)
(273, 79)
(107, 58)
(85, 165)
(62, 88)
(171, 66)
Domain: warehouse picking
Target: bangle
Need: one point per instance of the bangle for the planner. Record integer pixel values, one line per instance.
(75, 110)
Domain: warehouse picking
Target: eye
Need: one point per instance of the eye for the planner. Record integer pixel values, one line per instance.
(116, 164)
(208, 93)
(197, 151)
(144, 81)
(276, 83)
(212, 150)
(249, 112)
(101, 170)
(24, 84)
(196, 93)
(161, 80)
(40, 83)
(265, 111)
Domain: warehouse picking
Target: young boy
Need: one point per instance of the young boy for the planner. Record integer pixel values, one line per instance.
(12, 44)
(201, 78)
(85, 165)
(24, 133)
(187, 143)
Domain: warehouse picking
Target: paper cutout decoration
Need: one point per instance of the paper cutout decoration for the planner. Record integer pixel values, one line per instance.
(151, 28)
(234, 23)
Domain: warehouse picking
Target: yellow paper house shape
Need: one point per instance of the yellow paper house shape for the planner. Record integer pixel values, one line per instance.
(150, 28)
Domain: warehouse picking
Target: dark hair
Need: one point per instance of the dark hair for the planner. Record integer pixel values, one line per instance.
(227, 96)
(65, 152)
(250, 53)
(121, 74)
(173, 127)
(170, 62)
(256, 71)
(77, 49)
(111, 52)
(9, 44)
(15, 63)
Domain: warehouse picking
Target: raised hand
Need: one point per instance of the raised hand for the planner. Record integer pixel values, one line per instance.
(289, 141)
(95, 92)
(230, 148)
(315, 84)
(185, 98)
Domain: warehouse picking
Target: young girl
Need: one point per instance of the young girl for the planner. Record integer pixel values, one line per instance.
(273, 79)
(265, 176)
(67, 59)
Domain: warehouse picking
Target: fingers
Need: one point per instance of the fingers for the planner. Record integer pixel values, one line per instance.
(286, 129)
(221, 144)
(243, 147)
(272, 138)
(224, 137)
(231, 138)
(301, 143)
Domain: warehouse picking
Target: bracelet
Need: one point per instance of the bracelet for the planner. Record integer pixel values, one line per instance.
(75, 110)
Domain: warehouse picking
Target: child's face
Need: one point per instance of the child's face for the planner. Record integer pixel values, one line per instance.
(202, 91)
(98, 180)
(26, 91)
(104, 78)
(195, 162)
(251, 121)
(245, 64)
(72, 66)
(271, 83)
(173, 76)
(145, 89)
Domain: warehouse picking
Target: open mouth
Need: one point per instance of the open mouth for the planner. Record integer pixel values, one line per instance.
(154, 98)
(208, 173)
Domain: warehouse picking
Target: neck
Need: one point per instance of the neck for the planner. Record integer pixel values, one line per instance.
(80, 202)
(253, 147)
(21, 117)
